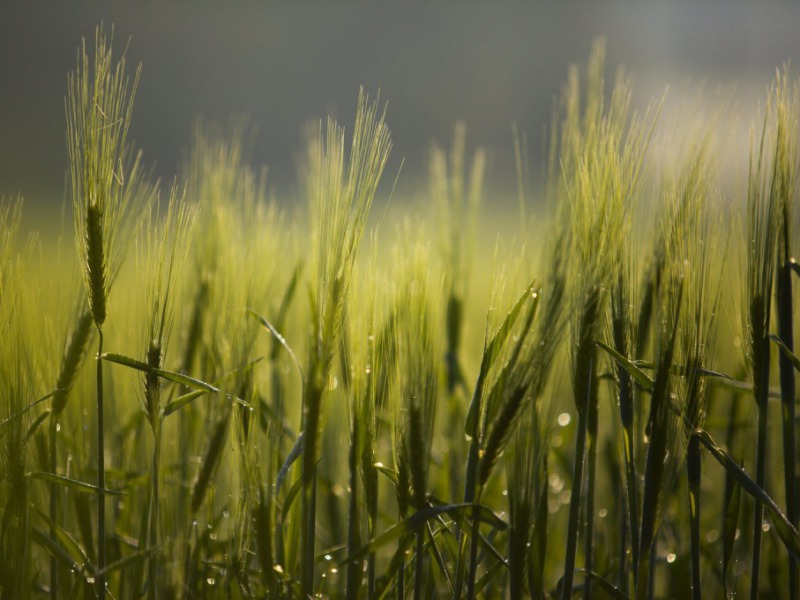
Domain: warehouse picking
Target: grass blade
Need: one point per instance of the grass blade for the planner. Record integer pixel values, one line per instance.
(785, 530)
(642, 378)
(416, 521)
(785, 351)
(73, 484)
(280, 339)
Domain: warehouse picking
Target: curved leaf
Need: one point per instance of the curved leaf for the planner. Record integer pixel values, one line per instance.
(413, 523)
(19, 413)
(642, 378)
(785, 530)
(281, 340)
(608, 587)
(491, 350)
(73, 484)
(179, 378)
(785, 350)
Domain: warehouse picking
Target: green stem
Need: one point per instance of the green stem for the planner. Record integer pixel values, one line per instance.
(473, 547)
(53, 507)
(420, 564)
(153, 517)
(631, 480)
(693, 472)
(591, 459)
(401, 574)
(786, 333)
(311, 408)
(761, 389)
(372, 517)
(469, 491)
(354, 568)
(574, 507)
(101, 478)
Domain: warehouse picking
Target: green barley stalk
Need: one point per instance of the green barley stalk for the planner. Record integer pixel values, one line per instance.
(74, 353)
(368, 359)
(15, 543)
(762, 235)
(416, 385)
(496, 350)
(341, 198)
(456, 192)
(526, 472)
(521, 384)
(701, 258)
(457, 198)
(99, 103)
(624, 343)
(16, 387)
(785, 165)
(162, 250)
(662, 449)
(602, 159)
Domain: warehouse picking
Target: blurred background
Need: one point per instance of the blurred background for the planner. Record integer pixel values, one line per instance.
(284, 64)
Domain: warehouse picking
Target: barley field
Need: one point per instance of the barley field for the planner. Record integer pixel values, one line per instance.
(208, 393)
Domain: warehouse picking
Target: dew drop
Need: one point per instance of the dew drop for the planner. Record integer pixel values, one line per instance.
(671, 557)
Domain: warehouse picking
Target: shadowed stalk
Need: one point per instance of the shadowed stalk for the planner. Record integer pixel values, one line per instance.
(585, 394)
(101, 474)
(693, 475)
(662, 445)
(621, 335)
(787, 380)
(526, 471)
(354, 568)
(784, 186)
(763, 230)
(732, 493)
(591, 492)
(153, 518)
